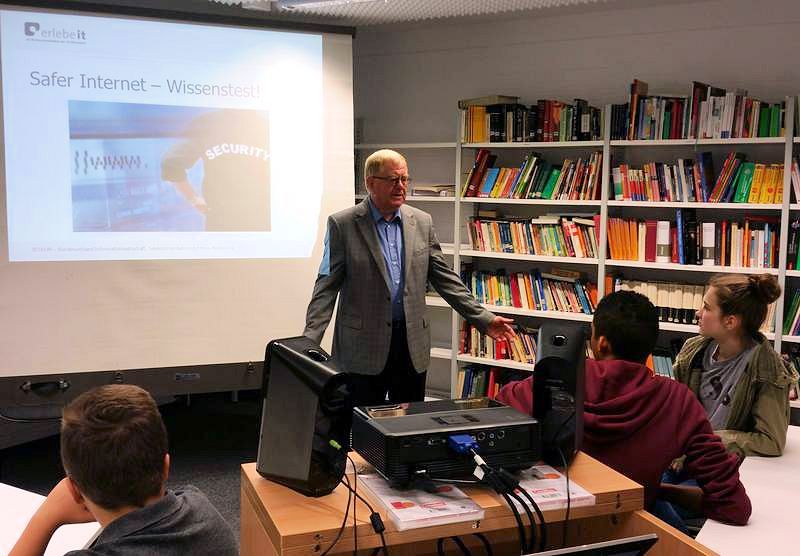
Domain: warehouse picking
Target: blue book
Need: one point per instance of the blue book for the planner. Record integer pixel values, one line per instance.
(706, 163)
(540, 287)
(582, 297)
(679, 223)
(491, 177)
(467, 382)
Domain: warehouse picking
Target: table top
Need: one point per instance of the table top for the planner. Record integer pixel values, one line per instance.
(17, 508)
(293, 520)
(773, 485)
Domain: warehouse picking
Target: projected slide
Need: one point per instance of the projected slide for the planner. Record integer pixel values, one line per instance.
(150, 140)
(168, 168)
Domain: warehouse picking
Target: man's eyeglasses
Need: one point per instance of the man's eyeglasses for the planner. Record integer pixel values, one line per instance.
(395, 180)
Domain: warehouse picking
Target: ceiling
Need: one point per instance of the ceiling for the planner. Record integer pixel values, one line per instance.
(359, 13)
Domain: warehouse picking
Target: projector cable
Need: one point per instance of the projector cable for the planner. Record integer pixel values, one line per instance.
(346, 514)
(440, 546)
(374, 517)
(490, 476)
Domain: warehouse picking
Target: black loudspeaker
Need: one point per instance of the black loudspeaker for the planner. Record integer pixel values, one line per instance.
(305, 419)
(558, 389)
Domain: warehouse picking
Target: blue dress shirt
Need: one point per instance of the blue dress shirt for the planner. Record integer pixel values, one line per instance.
(390, 236)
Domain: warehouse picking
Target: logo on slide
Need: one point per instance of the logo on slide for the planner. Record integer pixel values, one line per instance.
(54, 34)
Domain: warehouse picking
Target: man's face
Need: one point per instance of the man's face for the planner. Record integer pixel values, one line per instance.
(388, 188)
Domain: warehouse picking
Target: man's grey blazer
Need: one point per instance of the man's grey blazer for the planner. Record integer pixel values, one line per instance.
(359, 276)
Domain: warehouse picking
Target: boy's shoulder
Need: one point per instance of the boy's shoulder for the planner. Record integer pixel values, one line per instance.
(183, 522)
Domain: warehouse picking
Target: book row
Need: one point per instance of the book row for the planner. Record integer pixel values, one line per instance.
(521, 349)
(707, 112)
(551, 235)
(536, 291)
(477, 381)
(577, 179)
(749, 244)
(675, 302)
(691, 180)
(502, 119)
(791, 320)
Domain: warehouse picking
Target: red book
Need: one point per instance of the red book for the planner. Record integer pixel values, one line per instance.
(698, 194)
(673, 235)
(597, 231)
(650, 240)
(490, 387)
(501, 349)
(515, 298)
(476, 175)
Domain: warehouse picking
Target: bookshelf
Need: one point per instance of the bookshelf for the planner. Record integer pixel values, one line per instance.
(778, 148)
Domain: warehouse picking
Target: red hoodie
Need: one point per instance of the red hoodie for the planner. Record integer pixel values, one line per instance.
(638, 423)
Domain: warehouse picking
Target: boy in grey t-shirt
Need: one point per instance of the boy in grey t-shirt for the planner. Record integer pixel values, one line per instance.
(114, 451)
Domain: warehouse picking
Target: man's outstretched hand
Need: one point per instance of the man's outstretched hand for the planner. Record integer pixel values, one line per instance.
(500, 329)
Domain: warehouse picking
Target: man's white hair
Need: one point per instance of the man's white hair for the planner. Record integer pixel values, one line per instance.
(374, 164)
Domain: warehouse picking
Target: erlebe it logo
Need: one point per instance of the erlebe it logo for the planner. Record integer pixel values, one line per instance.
(35, 32)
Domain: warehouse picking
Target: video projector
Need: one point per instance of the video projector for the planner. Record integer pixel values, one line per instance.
(410, 441)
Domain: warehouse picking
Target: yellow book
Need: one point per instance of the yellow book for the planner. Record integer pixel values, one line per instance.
(498, 183)
(758, 179)
(494, 300)
(768, 186)
(778, 198)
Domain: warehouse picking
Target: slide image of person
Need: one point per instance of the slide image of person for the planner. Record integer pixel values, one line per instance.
(146, 167)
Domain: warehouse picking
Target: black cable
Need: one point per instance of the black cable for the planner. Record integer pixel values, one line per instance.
(374, 518)
(529, 546)
(540, 515)
(346, 513)
(459, 543)
(485, 542)
(520, 527)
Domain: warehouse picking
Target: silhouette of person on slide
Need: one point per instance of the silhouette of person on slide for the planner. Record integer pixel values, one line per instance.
(234, 147)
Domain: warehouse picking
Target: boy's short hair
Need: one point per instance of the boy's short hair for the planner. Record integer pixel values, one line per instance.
(113, 444)
(630, 324)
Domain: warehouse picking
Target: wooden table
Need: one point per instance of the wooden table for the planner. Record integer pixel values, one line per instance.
(276, 520)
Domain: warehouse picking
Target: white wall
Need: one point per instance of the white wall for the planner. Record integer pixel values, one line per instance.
(407, 79)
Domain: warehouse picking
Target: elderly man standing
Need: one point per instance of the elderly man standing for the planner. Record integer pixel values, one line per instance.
(379, 255)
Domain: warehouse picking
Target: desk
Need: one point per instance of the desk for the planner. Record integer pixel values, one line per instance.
(278, 521)
(17, 508)
(773, 485)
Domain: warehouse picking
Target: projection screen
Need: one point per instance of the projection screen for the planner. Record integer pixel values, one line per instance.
(165, 187)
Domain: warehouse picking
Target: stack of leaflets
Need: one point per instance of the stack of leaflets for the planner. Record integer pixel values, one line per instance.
(548, 488)
(411, 509)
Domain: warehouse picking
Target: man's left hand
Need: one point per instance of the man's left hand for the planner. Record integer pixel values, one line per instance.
(500, 329)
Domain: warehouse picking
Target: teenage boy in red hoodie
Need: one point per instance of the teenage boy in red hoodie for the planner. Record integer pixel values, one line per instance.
(638, 423)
